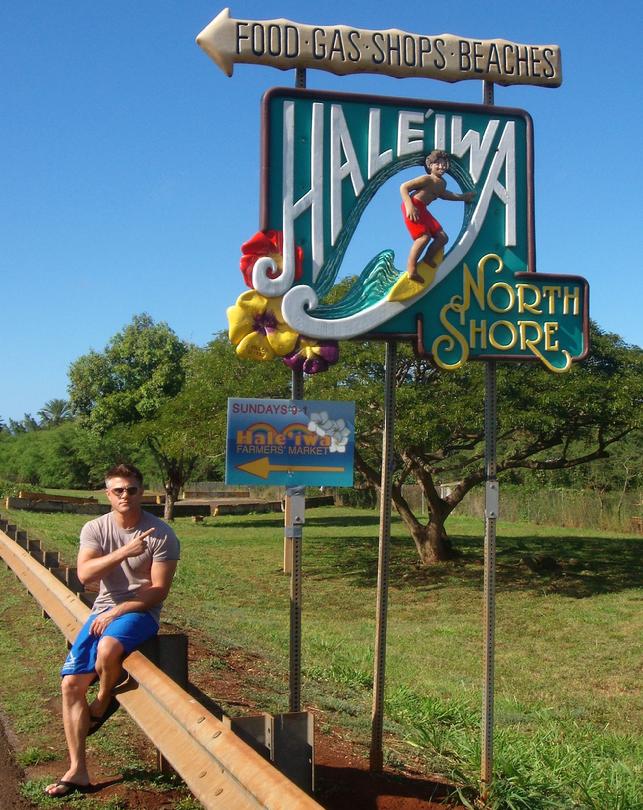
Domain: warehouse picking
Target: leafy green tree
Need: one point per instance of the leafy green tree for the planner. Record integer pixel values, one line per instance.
(54, 413)
(213, 374)
(100, 451)
(45, 458)
(546, 422)
(140, 369)
(190, 429)
(29, 423)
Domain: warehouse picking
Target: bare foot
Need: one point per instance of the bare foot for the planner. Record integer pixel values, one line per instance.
(98, 706)
(416, 277)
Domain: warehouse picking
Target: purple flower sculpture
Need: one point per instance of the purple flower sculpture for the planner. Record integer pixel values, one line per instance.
(312, 356)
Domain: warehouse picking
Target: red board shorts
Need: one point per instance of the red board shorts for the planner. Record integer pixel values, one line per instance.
(426, 224)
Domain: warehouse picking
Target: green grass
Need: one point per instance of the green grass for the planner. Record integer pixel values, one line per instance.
(34, 756)
(33, 790)
(568, 705)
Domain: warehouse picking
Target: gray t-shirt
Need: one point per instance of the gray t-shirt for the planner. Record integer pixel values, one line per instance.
(122, 582)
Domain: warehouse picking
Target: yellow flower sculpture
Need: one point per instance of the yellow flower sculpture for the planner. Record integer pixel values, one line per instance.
(257, 328)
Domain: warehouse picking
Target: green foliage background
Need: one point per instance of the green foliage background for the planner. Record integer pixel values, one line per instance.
(155, 400)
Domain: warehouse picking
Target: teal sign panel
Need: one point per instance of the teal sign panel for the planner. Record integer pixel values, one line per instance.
(325, 155)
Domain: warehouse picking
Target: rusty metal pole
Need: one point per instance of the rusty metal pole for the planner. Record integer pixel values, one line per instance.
(489, 587)
(294, 509)
(377, 717)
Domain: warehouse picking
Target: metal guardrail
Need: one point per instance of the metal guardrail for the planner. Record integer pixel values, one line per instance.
(218, 767)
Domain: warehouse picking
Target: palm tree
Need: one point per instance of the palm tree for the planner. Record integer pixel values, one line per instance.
(30, 423)
(54, 412)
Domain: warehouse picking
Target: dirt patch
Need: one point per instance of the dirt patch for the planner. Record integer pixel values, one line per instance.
(343, 780)
(10, 774)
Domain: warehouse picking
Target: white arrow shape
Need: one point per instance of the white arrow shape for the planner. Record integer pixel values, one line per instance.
(215, 39)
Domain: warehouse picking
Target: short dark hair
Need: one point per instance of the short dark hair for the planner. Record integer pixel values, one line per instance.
(434, 156)
(124, 471)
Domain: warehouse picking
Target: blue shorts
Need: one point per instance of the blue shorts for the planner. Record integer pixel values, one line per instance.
(131, 629)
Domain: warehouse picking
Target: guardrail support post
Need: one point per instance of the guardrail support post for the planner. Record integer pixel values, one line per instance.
(170, 654)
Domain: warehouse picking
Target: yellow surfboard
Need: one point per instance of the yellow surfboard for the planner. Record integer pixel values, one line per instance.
(404, 288)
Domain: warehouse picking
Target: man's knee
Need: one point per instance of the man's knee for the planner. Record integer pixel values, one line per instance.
(109, 650)
(75, 687)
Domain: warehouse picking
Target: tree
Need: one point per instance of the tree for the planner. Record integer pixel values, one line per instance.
(138, 372)
(29, 423)
(546, 422)
(54, 413)
(191, 426)
(45, 458)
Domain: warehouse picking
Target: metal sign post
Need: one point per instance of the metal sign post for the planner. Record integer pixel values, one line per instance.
(294, 516)
(491, 516)
(294, 534)
(489, 607)
(294, 509)
(377, 717)
(291, 443)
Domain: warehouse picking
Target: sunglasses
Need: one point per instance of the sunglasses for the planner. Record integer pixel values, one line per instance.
(120, 490)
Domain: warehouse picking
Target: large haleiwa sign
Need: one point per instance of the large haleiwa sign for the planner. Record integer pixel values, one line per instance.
(325, 155)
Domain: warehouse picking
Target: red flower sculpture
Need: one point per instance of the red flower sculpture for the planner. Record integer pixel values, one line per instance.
(271, 244)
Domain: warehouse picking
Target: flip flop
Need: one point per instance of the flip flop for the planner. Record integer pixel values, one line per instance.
(70, 788)
(124, 685)
(96, 722)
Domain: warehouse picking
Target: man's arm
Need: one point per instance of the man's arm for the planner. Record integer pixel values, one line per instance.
(92, 565)
(161, 576)
(405, 191)
(449, 195)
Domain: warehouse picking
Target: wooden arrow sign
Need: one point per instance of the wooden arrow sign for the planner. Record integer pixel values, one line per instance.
(341, 49)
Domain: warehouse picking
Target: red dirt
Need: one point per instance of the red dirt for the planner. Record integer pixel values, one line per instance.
(344, 782)
(342, 777)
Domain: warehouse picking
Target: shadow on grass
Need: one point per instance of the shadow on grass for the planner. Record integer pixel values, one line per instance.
(246, 522)
(367, 520)
(252, 521)
(145, 777)
(343, 788)
(576, 567)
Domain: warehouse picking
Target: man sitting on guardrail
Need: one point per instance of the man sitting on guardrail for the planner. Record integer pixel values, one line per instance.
(134, 556)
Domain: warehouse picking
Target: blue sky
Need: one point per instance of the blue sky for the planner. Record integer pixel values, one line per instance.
(129, 162)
